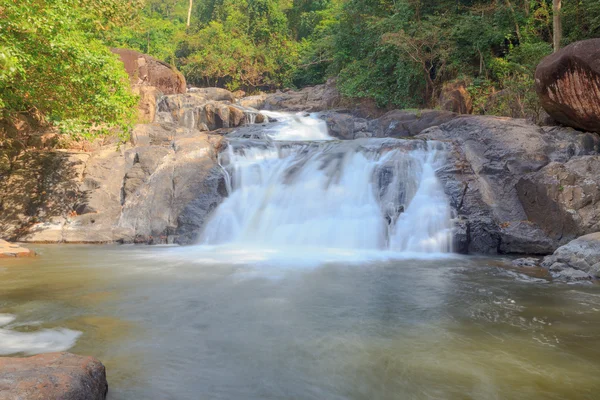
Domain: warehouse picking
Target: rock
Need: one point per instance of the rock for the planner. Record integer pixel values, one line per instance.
(310, 99)
(148, 71)
(577, 260)
(14, 250)
(147, 104)
(257, 102)
(169, 192)
(214, 94)
(528, 262)
(193, 111)
(345, 126)
(62, 376)
(112, 193)
(568, 85)
(487, 158)
(564, 198)
(406, 123)
(455, 98)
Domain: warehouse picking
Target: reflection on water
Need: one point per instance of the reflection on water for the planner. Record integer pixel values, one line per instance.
(170, 323)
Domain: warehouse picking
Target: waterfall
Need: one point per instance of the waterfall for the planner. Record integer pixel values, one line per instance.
(297, 187)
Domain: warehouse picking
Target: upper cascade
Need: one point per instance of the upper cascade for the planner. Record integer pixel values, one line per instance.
(298, 187)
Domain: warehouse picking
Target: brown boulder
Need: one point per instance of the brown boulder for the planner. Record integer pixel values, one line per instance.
(568, 85)
(455, 98)
(148, 71)
(62, 376)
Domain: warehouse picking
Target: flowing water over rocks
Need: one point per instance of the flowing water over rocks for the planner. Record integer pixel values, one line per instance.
(297, 187)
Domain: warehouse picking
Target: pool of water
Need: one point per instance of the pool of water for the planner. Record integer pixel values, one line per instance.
(190, 323)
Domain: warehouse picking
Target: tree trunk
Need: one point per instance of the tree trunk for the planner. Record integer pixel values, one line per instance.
(557, 22)
(190, 12)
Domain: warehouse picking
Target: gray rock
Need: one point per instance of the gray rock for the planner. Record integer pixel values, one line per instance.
(488, 157)
(526, 262)
(407, 123)
(577, 260)
(314, 98)
(564, 198)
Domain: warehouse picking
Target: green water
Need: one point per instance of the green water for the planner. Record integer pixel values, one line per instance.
(170, 324)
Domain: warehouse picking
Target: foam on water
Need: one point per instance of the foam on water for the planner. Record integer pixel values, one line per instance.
(43, 341)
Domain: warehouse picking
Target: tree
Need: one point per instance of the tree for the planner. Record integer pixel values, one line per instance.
(57, 68)
(189, 15)
(426, 45)
(557, 31)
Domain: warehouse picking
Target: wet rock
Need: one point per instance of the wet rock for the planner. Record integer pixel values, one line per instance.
(148, 71)
(487, 158)
(192, 111)
(528, 262)
(407, 123)
(14, 250)
(577, 260)
(568, 85)
(62, 376)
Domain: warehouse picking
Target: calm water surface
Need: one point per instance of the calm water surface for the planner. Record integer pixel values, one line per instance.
(171, 324)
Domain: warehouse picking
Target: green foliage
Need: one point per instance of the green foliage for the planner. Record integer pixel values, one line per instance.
(53, 65)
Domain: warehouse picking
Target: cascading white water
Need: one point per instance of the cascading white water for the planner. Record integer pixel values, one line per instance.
(299, 188)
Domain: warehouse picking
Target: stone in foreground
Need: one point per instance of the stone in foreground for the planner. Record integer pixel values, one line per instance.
(568, 85)
(52, 376)
(578, 260)
(14, 250)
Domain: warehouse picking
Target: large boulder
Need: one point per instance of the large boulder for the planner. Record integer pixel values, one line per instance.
(394, 124)
(214, 94)
(196, 112)
(577, 260)
(169, 192)
(564, 198)
(408, 123)
(132, 192)
(568, 85)
(50, 376)
(310, 99)
(487, 158)
(148, 71)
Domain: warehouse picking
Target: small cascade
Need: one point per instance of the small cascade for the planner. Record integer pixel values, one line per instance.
(298, 187)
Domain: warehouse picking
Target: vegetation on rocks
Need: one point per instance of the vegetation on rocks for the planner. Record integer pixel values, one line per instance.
(55, 63)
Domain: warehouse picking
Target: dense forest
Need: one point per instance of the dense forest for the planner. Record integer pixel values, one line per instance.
(55, 60)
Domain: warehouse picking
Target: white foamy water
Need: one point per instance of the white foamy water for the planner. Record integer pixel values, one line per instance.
(43, 341)
(298, 188)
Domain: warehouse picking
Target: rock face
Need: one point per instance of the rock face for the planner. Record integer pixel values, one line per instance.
(394, 124)
(14, 250)
(455, 98)
(578, 260)
(310, 99)
(564, 198)
(62, 376)
(488, 159)
(195, 111)
(568, 84)
(148, 71)
(115, 194)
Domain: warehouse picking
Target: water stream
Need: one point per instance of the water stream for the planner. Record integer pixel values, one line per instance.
(296, 187)
(325, 274)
